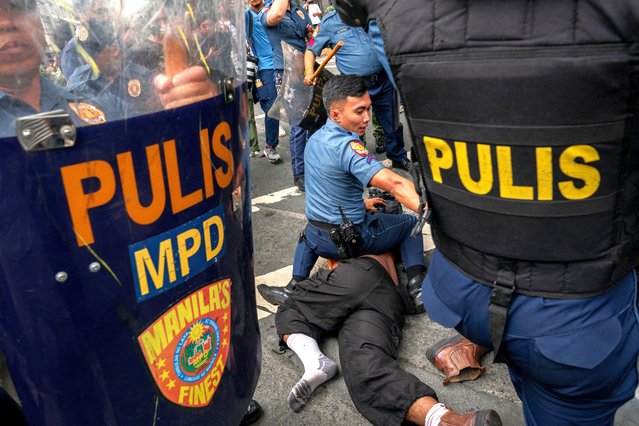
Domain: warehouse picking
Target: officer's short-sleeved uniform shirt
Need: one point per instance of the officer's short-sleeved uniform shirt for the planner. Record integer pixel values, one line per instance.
(261, 46)
(70, 59)
(291, 29)
(83, 111)
(358, 55)
(133, 86)
(337, 168)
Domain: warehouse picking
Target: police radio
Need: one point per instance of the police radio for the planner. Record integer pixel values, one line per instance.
(351, 240)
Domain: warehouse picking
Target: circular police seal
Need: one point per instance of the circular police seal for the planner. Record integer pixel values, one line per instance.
(134, 88)
(196, 351)
(82, 32)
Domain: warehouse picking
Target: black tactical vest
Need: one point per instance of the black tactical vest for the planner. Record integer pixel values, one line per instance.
(524, 116)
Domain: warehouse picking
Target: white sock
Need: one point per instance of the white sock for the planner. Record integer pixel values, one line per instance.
(434, 415)
(318, 368)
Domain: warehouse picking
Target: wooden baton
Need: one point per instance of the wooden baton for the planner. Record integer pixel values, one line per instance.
(325, 61)
(176, 57)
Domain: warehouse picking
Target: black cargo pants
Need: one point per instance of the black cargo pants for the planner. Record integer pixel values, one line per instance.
(359, 300)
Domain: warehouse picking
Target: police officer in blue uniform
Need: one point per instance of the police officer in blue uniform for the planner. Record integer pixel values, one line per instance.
(94, 17)
(285, 21)
(341, 224)
(265, 82)
(107, 71)
(23, 91)
(544, 278)
(358, 56)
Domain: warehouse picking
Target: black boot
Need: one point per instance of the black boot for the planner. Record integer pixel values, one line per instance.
(298, 180)
(254, 412)
(414, 288)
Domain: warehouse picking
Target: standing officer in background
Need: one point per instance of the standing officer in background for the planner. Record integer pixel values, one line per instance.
(358, 56)
(526, 118)
(285, 21)
(94, 16)
(265, 82)
(23, 91)
(341, 224)
(109, 72)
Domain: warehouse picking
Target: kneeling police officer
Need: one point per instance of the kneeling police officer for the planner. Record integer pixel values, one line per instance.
(340, 223)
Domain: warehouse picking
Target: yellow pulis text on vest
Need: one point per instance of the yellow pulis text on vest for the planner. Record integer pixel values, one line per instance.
(579, 179)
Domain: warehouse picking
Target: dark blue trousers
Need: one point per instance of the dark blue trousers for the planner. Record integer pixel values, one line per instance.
(298, 143)
(380, 233)
(572, 361)
(267, 95)
(386, 106)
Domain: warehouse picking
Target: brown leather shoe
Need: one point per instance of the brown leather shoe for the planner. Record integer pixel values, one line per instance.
(458, 358)
(474, 418)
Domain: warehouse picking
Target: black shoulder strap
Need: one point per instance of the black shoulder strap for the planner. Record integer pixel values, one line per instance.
(249, 15)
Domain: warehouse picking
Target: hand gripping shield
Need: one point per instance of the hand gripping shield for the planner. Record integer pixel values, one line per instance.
(127, 292)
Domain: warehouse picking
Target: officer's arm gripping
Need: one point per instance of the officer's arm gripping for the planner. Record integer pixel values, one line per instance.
(400, 187)
(309, 67)
(276, 13)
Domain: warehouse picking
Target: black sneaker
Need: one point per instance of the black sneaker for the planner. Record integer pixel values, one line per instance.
(403, 165)
(273, 294)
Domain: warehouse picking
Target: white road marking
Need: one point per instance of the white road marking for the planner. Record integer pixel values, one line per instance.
(276, 197)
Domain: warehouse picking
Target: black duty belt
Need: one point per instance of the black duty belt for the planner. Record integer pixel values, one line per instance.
(323, 225)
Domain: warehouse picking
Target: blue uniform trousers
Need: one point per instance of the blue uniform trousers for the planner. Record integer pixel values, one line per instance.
(572, 361)
(298, 143)
(380, 233)
(267, 95)
(386, 106)
(298, 138)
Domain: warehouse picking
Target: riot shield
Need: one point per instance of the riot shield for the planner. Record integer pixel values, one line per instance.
(126, 255)
(296, 103)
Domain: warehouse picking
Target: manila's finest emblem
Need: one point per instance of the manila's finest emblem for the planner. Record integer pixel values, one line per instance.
(187, 347)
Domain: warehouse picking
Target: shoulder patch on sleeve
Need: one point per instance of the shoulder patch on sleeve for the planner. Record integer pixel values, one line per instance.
(88, 113)
(359, 148)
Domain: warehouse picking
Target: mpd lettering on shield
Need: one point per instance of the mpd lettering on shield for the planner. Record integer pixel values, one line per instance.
(564, 173)
(171, 258)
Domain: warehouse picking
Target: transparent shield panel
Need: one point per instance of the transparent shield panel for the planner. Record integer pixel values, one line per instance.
(106, 60)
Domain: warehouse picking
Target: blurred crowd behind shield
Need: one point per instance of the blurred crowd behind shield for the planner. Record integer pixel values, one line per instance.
(116, 47)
